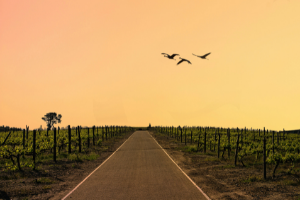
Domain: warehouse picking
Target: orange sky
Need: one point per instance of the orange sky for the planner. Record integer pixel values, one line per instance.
(100, 63)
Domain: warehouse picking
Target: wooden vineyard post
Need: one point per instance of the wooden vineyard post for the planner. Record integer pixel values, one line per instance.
(259, 132)
(204, 140)
(191, 137)
(253, 135)
(106, 127)
(228, 143)
(181, 135)
(273, 141)
(79, 139)
(277, 138)
(69, 134)
(109, 132)
(23, 138)
(236, 149)
(167, 132)
(115, 131)
(47, 132)
(88, 139)
(184, 136)
(265, 157)
(241, 137)
(219, 144)
(34, 135)
(215, 139)
(94, 135)
(27, 127)
(298, 138)
(102, 133)
(54, 145)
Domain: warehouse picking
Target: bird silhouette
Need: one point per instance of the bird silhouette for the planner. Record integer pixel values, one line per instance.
(203, 57)
(182, 59)
(170, 57)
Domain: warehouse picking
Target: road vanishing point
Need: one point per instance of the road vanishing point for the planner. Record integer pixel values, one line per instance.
(138, 169)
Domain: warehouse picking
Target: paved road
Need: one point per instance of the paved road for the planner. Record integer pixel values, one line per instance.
(140, 169)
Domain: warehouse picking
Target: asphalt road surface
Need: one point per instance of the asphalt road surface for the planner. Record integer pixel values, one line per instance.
(139, 169)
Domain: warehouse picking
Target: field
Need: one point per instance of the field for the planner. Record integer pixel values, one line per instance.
(225, 163)
(23, 178)
(220, 177)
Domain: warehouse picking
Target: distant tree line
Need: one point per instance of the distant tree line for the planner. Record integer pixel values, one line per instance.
(7, 128)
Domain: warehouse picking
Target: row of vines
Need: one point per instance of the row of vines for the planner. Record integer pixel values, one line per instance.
(273, 146)
(19, 149)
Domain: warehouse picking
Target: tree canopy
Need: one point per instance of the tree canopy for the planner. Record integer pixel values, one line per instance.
(51, 118)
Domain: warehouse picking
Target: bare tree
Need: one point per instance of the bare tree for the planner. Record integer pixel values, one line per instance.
(51, 119)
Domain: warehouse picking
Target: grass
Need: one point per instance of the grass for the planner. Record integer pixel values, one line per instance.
(91, 156)
(47, 187)
(228, 166)
(44, 180)
(252, 179)
(75, 157)
(211, 159)
(81, 157)
(290, 182)
(192, 148)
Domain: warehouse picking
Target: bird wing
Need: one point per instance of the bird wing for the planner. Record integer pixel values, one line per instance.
(188, 61)
(175, 55)
(196, 55)
(180, 62)
(206, 54)
(164, 53)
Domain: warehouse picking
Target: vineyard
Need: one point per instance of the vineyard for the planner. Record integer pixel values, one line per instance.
(24, 149)
(263, 147)
(39, 163)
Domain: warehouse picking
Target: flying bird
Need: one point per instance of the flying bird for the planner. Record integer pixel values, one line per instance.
(203, 57)
(182, 59)
(170, 57)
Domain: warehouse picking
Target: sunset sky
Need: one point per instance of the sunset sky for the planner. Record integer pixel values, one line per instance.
(99, 62)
